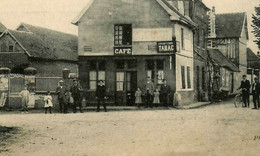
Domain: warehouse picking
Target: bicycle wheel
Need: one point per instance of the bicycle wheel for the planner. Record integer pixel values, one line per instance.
(238, 101)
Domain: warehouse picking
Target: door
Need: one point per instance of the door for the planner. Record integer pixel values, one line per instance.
(126, 85)
(131, 87)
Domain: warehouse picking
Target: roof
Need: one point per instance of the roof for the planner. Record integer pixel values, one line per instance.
(229, 25)
(253, 61)
(47, 44)
(163, 3)
(222, 60)
(2, 28)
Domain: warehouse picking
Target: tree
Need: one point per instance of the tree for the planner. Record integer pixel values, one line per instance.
(256, 25)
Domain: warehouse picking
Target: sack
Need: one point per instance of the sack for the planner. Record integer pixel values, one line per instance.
(71, 100)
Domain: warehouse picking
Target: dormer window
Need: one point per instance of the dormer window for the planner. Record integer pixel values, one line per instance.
(123, 35)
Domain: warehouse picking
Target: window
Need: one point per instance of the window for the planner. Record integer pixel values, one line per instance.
(128, 81)
(203, 78)
(96, 73)
(120, 76)
(183, 77)
(123, 34)
(155, 70)
(198, 77)
(198, 37)
(188, 77)
(11, 48)
(182, 38)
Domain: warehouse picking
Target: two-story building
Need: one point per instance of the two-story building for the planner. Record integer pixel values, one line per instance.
(229, 34)
(199, 14)
(125, 41)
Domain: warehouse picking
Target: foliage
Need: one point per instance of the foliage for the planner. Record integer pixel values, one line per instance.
(256, 25)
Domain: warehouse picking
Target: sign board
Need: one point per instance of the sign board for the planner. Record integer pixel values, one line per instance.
(122, 50)
(166, 47)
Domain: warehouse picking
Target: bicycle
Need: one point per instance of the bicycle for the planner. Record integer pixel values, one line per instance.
(238, 99)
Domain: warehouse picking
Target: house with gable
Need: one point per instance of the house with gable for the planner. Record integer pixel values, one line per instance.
(46, 50)
(228, 33)
(125, 41)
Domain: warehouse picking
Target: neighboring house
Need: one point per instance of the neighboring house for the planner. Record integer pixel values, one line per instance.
(199, 14)
(46, 50)
(2, 28)
(229, 34)
(253, 64)
(122, 44)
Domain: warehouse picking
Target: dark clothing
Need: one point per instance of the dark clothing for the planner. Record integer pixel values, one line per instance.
(75, 93)
(245, 86)
(165, 91)
(256, 92)
(100, 94)
(101, 91)
(148, 99)
(101, 100)
(63, 98)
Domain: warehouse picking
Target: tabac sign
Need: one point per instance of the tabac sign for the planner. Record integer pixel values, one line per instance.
(123, 50)
(166, 47)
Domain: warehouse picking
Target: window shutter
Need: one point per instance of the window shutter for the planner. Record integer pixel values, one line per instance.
(183, 77)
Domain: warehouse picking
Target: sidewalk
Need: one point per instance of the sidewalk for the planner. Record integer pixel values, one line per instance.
(193, 105)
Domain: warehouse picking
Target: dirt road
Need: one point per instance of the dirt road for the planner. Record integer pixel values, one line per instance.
(213, 130)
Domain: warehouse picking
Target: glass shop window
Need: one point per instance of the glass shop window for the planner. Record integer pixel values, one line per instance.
(96, 73)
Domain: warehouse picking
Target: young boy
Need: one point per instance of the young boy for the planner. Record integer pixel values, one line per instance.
(25, 99)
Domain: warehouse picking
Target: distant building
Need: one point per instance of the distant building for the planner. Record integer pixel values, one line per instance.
(229, 34)
(199, 14)
(46, 50)
(253, 64)
(124, 42)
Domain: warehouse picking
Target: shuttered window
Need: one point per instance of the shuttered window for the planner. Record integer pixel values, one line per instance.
(183, 77)
(188, 77)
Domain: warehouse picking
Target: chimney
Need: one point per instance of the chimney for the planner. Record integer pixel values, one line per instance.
(212, 23)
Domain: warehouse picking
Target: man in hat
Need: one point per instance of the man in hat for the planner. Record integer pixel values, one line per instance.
(256, 92)
(62, 97)
(101, 95)
(75, 92)
(245, 86)
(165, 92)
(149, 92)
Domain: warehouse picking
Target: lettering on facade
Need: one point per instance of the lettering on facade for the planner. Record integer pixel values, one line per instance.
(123, 50)
(166, 47)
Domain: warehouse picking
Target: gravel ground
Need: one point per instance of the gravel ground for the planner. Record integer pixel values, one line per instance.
(219, 129)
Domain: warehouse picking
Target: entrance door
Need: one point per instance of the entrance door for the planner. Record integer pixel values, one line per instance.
(126, 85)
(131, 87)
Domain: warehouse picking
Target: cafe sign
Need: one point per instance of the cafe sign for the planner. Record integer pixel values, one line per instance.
(166, 47)
(123, 50)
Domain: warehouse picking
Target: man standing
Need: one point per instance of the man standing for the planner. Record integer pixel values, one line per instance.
(165, 92)
(75, 92)
(101, 95)
(256, 92)
(25, 99)
(149, 94)
(245, 86)
(62, 97)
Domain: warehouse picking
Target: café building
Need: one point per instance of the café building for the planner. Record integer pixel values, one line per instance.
(125, 41)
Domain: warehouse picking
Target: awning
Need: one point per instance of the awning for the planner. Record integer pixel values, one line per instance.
(222, 60)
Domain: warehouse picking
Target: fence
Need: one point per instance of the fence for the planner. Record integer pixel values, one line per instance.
(43, 84)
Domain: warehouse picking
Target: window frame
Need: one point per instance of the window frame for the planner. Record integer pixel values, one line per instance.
(119, 35)
(97, 71)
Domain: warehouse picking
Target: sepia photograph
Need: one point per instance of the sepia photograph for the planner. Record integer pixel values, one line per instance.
(129, 77)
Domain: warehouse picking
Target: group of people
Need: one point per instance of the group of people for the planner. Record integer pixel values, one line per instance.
(246, 88)
(152, 95)
(72, 95)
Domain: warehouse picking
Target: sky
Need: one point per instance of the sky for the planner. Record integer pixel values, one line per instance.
(58, 14)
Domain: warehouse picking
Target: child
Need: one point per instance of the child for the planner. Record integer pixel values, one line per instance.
(156, 96)
(148, 98)
(25, 99)
(138, 97)
(48, 102)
